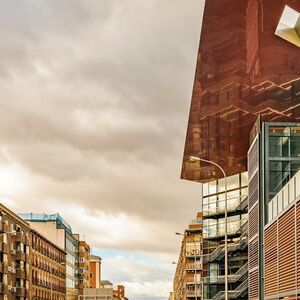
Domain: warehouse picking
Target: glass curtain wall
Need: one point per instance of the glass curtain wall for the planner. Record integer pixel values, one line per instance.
(284, 155)
(282, 159)
(214, 231)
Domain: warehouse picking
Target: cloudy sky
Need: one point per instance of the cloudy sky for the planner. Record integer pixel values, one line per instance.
(95, 97)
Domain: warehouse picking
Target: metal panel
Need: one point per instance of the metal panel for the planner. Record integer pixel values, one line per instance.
(243, 70)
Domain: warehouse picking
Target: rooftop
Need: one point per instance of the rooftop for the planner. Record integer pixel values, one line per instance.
(43, 217)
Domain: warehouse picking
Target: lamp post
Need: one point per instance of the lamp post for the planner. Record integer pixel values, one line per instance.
(195, 259)
(195, 158)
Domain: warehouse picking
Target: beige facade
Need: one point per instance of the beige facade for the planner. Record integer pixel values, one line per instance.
(84, 266)
(48, 263)
(103, 293)
(187, 282)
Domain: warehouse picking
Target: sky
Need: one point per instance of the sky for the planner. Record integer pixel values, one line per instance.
(95, 97)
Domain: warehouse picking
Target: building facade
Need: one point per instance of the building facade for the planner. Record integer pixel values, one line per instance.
(188, 277)
(119, 292)
(244, 117)
(214, 234)
(15, 281)
(243, 70)
(95, 271)
(273, 163)
(282, 250)
(103, 293)
(84, 254)
(59, 232)
(48, 269)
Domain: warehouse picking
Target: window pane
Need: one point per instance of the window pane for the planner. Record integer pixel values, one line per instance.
(244, 178)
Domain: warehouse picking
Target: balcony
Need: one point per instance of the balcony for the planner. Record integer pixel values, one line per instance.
(20, 237)
(193, 253)
(240, 291)
(3, 288)
(20, 274)
(3, 268)
(3, 248)
(192, 278)
(20, 292)
(234, 228)
(20, 255)
(232, 278)
(236, 204)
(3, 226)
(194, 293)
(239, 244)
(194, 266)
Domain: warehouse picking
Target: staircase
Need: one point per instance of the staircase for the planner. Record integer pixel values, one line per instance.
(238, 292)
(240, 244)
(238, 276)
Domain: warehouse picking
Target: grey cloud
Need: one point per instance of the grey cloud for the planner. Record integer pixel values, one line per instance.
(94, 100)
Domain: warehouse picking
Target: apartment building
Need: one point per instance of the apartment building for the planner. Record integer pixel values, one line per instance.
(48, 269)
(188, 277)
(119, 292)
(14, 256)
(84, 254)
(95, 271)
(59, 232)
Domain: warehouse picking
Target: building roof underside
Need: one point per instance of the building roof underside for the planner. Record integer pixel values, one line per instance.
(243, 71)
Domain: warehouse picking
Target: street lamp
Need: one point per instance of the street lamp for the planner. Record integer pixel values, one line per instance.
(195, 158)
(195, 260)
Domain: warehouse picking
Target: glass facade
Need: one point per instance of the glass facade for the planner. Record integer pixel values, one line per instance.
(283, 155)
(214, 233)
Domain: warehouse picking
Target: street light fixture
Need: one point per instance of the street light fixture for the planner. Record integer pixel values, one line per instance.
(195, 260)
(195, 158)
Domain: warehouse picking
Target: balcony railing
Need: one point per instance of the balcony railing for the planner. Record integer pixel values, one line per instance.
(3, 268)
(233, 204)
(3, 288)
(20, 292)
(20, 237)
(194, 266)
(233, 228)
(193, 278)
(240, 244)
(193, 252)
(233, 294)
(3, 226)
(196, 221)
(193, 293)
(232, 278)
(3, 248)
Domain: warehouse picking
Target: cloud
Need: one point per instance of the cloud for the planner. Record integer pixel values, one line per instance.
(142, 275)
(94, 102)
